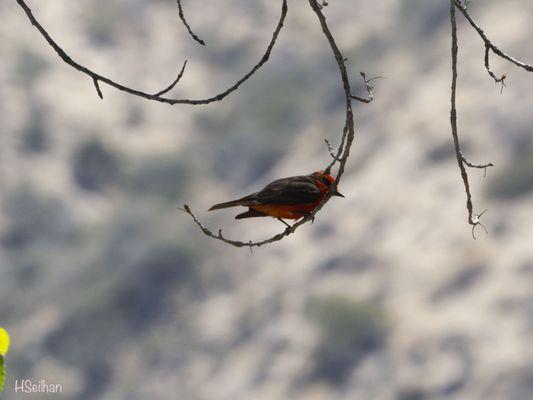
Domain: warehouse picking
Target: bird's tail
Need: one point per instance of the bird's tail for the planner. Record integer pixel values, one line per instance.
(228, 204)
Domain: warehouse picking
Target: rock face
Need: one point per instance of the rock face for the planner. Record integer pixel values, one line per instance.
(110, 292)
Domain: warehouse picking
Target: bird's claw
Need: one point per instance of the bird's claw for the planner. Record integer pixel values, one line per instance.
(310, 216)
(286, 224)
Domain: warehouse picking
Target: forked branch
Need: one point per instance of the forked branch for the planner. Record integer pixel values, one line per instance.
(490, 46)
(342, 153)
(473, 218)
(341, 157)
(347, 138)
(159, 96)
(171, 86)
(369, 89)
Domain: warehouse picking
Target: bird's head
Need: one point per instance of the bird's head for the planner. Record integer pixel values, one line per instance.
(324, 182)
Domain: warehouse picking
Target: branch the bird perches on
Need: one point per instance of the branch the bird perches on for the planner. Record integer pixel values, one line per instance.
(342, 153)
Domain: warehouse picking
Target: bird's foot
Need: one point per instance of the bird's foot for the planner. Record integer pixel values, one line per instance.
(286, 224)
(307, 215)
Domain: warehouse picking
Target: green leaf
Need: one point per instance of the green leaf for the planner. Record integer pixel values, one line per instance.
(2, 374)
(4, 347)
(4, 341)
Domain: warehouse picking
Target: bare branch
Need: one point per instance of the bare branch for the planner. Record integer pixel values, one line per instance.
(453, 113)
(238, 243)
(473, 219)
(343, 151)
(154, 97)
(182, 17)
(487, 41)
(349, 130)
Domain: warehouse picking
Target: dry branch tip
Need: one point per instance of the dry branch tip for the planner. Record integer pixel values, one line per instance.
(369, 89)
(97, 86)
(476, 221)
(186, 24)
(174, 83)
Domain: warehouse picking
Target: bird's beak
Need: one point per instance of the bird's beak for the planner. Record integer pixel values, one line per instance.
(336, 193)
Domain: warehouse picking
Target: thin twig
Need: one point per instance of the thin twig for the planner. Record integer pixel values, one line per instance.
(331, 151)
(154, 97)
(343, 151)
(369, 89)
(473, 219)
(501, 79)
(182, 17)
(98, 90)
(488, 42)
(171, 86)
(238, 243)
(478, 166)
(334, 157)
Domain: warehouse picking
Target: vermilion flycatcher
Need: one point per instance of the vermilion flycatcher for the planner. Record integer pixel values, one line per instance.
(291, 198)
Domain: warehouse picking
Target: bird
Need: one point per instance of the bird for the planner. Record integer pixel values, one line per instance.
(293, 197)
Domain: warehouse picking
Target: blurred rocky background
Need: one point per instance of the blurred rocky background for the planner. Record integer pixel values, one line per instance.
(107, 289)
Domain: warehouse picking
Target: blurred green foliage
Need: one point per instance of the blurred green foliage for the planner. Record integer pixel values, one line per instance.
(246, 142)
(4, 347)
(134, 115)
(130, 273)
(2, 373)
(34, 217)
(107, 22)
(164, 176)
(29, 68)
(349, 330)
(463, 280)
(35, 132)
(102, 22)
(121, 307)
(515, 180)
(412, 394)
(441, 152)
(27, 274)
(95, 166)
(421, 17)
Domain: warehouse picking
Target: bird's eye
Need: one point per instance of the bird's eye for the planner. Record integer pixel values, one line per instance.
(326, 181)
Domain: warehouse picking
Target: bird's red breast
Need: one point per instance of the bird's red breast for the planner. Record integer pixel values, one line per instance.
(285, 211)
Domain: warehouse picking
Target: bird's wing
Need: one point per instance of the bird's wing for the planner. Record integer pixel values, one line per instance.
(292, 190)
